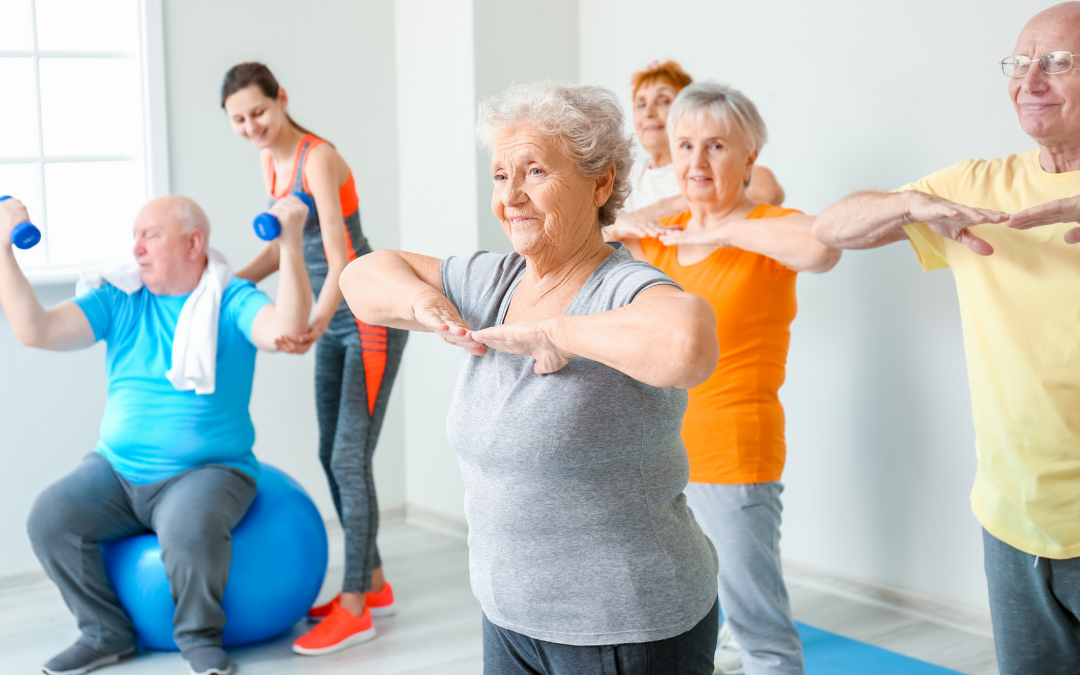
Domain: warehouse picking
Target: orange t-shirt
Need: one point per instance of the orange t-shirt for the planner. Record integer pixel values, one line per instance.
(734, 425)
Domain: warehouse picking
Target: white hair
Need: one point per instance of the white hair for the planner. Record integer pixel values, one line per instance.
(190, 215)
(725, 105)
(585, 120)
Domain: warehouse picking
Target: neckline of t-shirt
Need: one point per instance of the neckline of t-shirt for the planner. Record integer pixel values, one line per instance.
(1043, 174)
(504, 306)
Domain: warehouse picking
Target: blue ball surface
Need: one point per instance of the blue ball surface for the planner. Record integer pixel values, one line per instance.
(279, 558)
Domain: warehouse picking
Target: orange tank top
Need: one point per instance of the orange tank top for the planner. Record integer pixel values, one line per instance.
(734, 425)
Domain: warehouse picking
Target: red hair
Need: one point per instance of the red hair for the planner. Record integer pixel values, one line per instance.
(668, 71)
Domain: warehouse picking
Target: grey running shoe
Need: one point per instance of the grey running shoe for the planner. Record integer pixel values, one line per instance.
(209, 661)
(78, 659)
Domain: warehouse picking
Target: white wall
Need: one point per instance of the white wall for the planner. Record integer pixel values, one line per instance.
(454, 52)
(336, 58)
(857, 95)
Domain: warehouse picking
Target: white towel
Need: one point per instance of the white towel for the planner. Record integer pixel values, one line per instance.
(194, 355)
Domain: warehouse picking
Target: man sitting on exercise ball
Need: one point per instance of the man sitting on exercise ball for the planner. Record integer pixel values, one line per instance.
(175, 450)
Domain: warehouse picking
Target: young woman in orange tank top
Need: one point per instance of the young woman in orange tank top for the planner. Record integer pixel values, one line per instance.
(355, 363)
(743, 258)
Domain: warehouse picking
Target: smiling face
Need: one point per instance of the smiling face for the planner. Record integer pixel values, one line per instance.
(652, 101)
(257, 117)
(167, 256)
(712, 160)
(1048, 106)
(545, 205)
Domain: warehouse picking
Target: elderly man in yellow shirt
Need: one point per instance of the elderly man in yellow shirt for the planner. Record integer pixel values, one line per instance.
(1018, 280)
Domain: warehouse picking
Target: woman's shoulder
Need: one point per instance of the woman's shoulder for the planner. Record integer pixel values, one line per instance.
(619, 280)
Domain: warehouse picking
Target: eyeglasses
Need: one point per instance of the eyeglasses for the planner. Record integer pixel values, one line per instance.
(1052, 63)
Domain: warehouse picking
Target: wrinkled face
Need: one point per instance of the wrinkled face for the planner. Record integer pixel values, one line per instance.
(1048, 106)
(651, 104)
(545, 205)
(711, 160)
(162, 250)
(255, 116)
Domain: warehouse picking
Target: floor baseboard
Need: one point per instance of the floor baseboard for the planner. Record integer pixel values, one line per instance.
(436, 521)
(938, 610)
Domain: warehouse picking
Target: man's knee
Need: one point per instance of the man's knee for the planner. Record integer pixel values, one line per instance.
(54, 519)
(199, 541)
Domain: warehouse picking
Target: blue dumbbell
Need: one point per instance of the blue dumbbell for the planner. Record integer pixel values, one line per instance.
(268, 227)
(25, 235)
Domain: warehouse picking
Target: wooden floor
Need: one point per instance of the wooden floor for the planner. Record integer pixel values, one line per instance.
(437, 628)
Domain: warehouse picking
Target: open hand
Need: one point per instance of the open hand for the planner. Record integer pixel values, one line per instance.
(528, 338)
(630, 225)
(439, 315)
(709, 237)
(1059, 211)
(952, 220)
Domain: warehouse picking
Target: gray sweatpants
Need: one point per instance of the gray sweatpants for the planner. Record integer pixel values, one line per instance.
(1035, 607)
(743, 522)
(193, 514)
(348, 435)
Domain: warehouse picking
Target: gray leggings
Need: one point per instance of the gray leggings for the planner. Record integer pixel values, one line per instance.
(1035, 607)
(348, 435)
(193, 514)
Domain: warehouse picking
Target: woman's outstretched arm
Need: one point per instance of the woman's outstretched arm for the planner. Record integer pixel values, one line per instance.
(404, 290)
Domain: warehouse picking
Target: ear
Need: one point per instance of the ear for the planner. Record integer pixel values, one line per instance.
(283, 98)
(196, 244)
(750, 166)
(603, 186)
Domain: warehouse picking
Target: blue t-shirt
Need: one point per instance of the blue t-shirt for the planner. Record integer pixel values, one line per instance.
(151, 431)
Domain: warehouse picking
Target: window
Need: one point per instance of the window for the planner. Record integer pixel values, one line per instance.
(82, 125)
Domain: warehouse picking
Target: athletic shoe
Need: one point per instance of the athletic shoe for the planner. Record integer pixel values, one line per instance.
(320, 612)
(382, 603)
(339, 630)
(728, 659)
(78, 659)
(209, 661)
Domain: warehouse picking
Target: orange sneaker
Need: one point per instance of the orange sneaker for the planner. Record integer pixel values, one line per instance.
(340, 630)
(381, 603)
(320, 612)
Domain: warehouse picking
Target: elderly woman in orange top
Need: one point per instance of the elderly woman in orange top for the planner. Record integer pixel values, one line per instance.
(655, 192)
(741, 256)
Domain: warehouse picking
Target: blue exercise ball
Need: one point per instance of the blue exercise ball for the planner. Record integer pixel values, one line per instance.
(279, 557)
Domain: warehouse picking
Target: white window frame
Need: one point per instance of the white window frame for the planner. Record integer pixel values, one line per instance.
(151, 57)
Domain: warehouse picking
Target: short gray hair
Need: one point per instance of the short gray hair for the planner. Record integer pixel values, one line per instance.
(586, 121)
(724, 104)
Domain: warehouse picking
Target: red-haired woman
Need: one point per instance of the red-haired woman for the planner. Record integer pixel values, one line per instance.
(355, 363)
(655, 193)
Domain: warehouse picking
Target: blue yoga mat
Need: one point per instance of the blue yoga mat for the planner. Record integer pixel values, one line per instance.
(831, 654)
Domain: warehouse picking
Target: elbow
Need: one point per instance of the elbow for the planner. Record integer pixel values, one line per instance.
(825, 260)
(824, 230)
(30, 337)
(352, 282)
(697, 349)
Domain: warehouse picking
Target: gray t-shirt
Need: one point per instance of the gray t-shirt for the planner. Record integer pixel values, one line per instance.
(578, 529)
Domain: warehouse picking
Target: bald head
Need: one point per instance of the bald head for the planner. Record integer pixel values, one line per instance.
(1048, 104)
(171, 238)
(180, 212)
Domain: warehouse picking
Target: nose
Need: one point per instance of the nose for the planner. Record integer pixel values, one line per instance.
(249, 127)
(1035, 80)
(513, 193)
(699, 156)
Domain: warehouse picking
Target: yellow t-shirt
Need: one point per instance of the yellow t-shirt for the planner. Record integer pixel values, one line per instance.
(1021, 315)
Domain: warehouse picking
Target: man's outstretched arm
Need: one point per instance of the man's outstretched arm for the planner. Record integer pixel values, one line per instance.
(63, 328)
(872, 219)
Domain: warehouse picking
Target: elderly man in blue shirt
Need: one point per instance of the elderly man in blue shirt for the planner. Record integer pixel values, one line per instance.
(175, 449)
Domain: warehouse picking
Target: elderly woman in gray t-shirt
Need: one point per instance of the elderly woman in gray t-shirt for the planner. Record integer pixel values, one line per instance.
(566, 417)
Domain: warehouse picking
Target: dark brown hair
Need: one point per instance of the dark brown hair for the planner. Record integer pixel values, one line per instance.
(243, 75)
